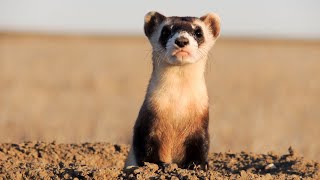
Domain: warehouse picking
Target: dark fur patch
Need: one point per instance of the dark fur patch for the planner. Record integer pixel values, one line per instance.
(199, 39)
(179, 24)
(153, 23)
(179, 19)
(145, 146)
(197, 145)
(166, 34)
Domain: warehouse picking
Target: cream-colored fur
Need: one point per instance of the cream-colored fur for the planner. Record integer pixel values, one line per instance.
(173, 88)
(171, 49)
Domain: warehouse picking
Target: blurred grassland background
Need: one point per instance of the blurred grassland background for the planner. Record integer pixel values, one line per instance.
(77, 71)
(264, 94)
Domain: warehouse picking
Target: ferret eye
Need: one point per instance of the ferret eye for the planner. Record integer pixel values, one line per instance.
(198, 32)
(165, 31)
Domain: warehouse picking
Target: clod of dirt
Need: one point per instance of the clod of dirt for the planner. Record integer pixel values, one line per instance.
(39, 160)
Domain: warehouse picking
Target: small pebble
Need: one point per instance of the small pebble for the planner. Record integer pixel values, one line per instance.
(270, 166)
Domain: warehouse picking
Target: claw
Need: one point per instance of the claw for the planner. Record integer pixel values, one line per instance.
(192, 166)
(205, 166)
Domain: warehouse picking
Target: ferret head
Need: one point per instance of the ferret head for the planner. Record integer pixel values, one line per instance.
(181, 40)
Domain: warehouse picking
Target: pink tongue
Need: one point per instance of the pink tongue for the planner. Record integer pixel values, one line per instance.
(181, 53)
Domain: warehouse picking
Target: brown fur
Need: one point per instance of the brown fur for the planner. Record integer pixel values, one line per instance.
(172, 138)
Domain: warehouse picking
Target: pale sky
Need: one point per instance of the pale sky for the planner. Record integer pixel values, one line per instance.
(251, 18)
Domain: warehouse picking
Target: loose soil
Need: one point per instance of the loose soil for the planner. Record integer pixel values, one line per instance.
(40, 160)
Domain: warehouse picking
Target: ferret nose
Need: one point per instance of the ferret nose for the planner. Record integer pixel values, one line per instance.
(182, 41)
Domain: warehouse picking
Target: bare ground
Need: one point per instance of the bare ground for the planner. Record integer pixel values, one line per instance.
(39, 160)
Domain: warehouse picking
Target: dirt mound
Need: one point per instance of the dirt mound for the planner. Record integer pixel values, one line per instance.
(39, 160)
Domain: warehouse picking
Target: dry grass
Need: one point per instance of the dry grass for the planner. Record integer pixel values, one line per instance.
(265, 95)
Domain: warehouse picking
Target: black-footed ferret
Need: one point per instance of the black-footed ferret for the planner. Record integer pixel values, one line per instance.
(172, 125)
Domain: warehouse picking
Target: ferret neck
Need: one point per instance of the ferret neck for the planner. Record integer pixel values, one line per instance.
(167, 76)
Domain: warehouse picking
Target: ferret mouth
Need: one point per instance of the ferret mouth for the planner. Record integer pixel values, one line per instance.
(181, 53)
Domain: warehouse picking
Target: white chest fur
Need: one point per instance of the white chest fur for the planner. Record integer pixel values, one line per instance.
(178, 93)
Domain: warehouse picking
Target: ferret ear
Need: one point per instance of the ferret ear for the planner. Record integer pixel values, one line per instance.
(151, 21)
(212, 20)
